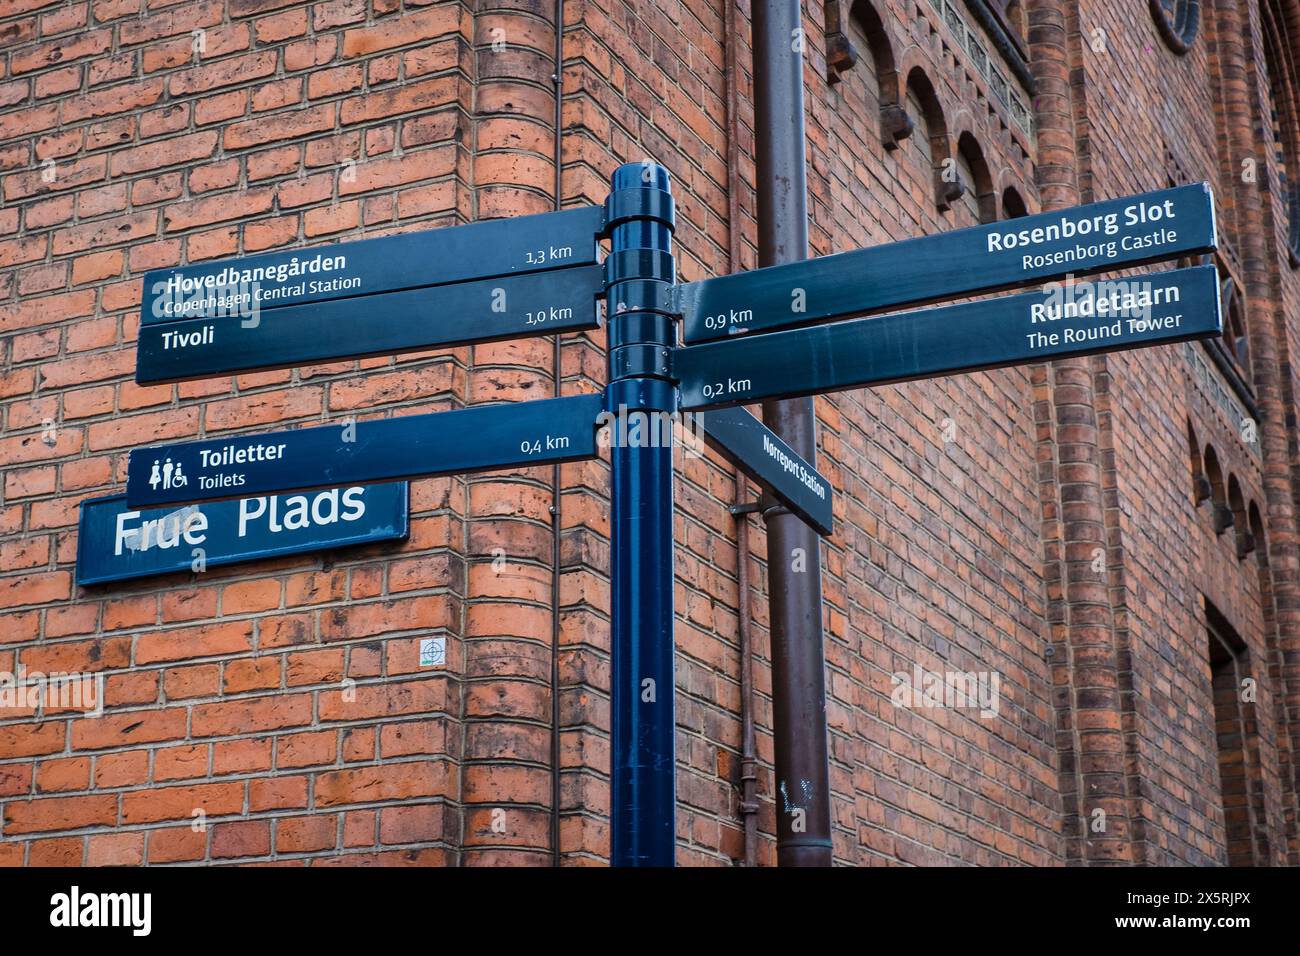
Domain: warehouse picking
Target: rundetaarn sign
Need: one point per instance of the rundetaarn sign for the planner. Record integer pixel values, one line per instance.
(1069, 320)
(116, 542)
(538, 275)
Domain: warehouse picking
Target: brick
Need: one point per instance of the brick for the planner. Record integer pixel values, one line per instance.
(306, 834)
(392, 782)
(271, 129)
(172, 152)
(217, 208)
(177, 845)
(115, 849)
(179, 803)
(400, 31)
(246, 838)
(251, 716)
(59, 813)
(126, 729)
(186, 643)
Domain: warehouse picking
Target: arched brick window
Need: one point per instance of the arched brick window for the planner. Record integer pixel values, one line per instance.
(1218, 491)
(1237, 744)
(1235, 340)
(1013, 206)
(1178, 22)
(1240, 522)
(928, 144)
(1257, 536)
(870, 40)
(979, 200)
(1279, 57)
(1200, 481)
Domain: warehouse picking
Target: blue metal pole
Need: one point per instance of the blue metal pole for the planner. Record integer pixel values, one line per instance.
(640, 399)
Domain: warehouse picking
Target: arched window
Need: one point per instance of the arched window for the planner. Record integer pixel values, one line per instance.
(1257, 534)
(1280, 61)
(1013, 207)
(1218, 491)
(980, 201)
(1235, 340)
(1200, 482)
(1240, 522)
(928, 145)
(870, 40)
(1178, 21)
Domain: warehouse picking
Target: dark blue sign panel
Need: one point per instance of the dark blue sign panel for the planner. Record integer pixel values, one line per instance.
(541, 303)
(757, 451)
(483, 438)
(116, 542)
(1062, 322)
(238, 288)
(1079, 241)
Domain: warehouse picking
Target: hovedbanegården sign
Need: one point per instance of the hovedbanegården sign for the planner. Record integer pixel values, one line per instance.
(541, 303)
(232, 289)
(116, 542)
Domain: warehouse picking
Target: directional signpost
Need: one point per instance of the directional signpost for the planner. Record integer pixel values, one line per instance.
(539, 275)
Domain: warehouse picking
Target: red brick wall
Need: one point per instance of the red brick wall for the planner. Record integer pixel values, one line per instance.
(285, 699)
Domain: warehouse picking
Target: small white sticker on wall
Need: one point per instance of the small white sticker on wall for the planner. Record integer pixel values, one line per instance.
(433, 652)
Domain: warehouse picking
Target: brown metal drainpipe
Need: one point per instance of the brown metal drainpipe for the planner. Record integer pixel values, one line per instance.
(556, 491)
(748, 751)
(803, 817)
(748, 756)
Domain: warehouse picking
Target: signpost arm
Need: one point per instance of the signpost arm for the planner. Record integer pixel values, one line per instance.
(641, 398)
(794, 551)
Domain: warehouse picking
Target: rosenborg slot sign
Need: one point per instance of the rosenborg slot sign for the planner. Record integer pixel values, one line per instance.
(770, 333)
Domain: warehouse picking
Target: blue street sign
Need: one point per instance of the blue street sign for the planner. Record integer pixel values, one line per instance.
(1070, 320)
(541, 303)
(232, 288)
(1084, 240)
(483, 438)
(757, 451)
(116, 542)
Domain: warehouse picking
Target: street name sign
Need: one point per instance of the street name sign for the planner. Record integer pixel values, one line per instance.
(1070, 320)
(757, 451)
(441, 316)
(478, 250)
(482, 438)
(116, 542)
(1084, 240)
